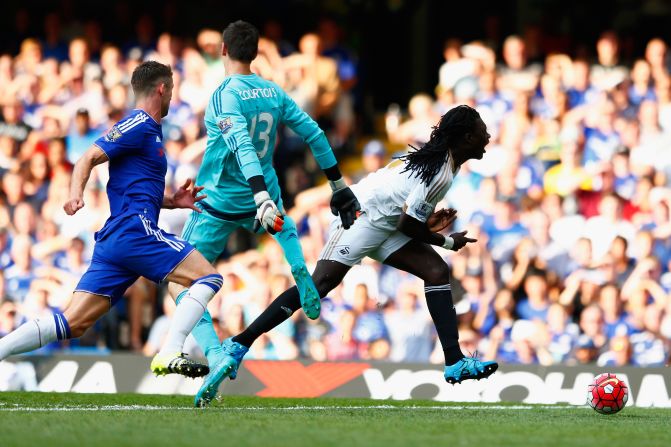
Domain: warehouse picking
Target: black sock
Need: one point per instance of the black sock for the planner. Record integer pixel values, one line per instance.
(278, 311)
(441, 308)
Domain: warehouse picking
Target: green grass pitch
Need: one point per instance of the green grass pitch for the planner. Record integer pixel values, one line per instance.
(83, 420)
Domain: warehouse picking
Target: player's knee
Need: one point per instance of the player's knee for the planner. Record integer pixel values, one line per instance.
(436, 274)
(77, 325)
(213, 281)
(324, 285)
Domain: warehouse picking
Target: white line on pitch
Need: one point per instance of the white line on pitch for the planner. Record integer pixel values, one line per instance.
(290, 408)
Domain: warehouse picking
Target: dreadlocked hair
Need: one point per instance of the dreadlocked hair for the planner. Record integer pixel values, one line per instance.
(426, 162)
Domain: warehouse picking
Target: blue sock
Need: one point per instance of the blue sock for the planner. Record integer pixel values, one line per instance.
(204, 334)
(288, 240)
(62, 327)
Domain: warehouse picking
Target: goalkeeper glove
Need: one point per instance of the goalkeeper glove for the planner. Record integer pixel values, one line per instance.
(344, 203)
(268, 215)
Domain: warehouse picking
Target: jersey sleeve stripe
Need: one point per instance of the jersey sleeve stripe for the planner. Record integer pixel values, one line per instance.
(128, 121)
(440, 184)
(216, 103)
(135, 124)
(123, 126)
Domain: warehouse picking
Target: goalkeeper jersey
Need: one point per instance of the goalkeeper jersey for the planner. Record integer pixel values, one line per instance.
(242, 120)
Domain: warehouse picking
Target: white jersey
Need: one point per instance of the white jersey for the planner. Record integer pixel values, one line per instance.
(387, 192)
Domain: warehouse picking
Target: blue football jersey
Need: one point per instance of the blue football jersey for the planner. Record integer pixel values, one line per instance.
(137, 166)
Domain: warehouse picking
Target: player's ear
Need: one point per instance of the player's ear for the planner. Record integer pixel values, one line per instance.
(468, 137)
(224, 49)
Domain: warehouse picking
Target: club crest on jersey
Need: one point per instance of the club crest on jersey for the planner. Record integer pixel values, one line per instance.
(225, 125)
(113, 135)
(423, 210)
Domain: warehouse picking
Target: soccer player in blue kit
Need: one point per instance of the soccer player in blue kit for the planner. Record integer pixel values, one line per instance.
(242, 120)
(130, 244)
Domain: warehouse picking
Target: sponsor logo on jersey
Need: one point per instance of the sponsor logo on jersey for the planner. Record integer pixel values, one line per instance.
(255, 93)
(113, 134)
(225, 125)
(344, 251)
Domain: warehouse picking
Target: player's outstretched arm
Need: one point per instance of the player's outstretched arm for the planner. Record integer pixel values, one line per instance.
(416, 229)
(343, 201)
(80, 176)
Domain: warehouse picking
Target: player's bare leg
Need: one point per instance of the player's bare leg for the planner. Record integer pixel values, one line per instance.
(421, 260)
(84, 310)
(203, 282)
(139, 294)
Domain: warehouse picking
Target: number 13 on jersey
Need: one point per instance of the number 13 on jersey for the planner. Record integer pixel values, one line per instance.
(263, 134)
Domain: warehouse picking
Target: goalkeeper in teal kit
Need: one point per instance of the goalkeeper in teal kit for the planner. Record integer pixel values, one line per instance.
(242, 119)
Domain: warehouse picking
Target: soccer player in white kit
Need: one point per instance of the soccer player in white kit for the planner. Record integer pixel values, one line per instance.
(395, 228)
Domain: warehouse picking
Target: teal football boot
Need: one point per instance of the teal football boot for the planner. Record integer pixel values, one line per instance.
(469, 368)
(310, 300)
(226, 366)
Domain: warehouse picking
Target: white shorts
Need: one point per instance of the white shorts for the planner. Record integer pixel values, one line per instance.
(362, 239)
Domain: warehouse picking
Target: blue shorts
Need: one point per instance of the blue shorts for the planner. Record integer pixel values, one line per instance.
(130, 247)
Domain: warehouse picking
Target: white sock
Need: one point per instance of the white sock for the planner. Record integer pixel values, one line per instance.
(189, 310)
(28, 337)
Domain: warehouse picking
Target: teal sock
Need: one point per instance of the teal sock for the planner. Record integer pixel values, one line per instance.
(204, 334)
(288, 240)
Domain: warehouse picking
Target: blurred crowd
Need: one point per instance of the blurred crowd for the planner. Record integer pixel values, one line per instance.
(570, 205)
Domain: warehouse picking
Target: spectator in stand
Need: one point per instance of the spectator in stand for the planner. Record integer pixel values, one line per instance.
(606, 73)
(567, 177)
(516, 73)
(20, 275)
(374, 158)
(112, 66)
(455, 67)
(209, 41)
(323, 71)
(656, 52)
(618, 354)
(81, 136)
(505, 230)
(558, 337)
(417, 129)
(499, 344)
(409, 326)
(12, 124)
(592, 326)
(536, 303)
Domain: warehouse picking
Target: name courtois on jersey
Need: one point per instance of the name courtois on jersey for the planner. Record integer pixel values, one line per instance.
(255, 93)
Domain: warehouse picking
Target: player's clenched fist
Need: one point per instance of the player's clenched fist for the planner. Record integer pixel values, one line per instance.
(73, 205)
(267, 213)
